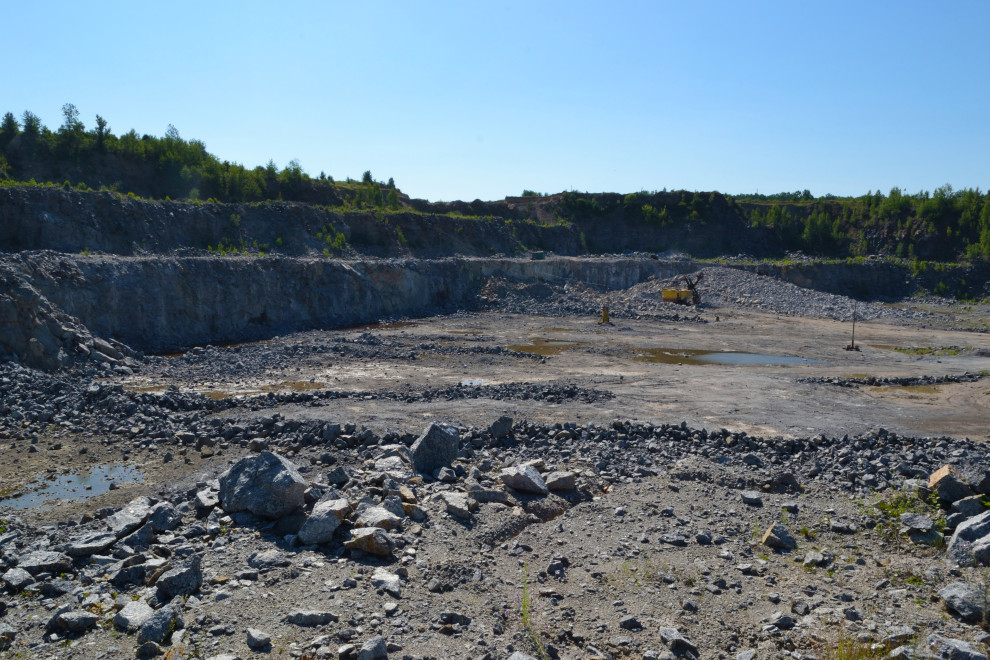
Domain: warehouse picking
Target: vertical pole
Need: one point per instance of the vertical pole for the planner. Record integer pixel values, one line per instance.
(855, 305)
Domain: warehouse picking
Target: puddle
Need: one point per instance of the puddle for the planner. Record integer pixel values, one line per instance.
(559, 329)
(731, 358)
(465, 332)
(472, 383)
(75, 487)
(546, 346)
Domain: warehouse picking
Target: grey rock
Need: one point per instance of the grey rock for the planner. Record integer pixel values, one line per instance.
(388, 582)
(258, 640)
(949, 484)
(916, 522)
(779, 538)
(376, 516)
(164, 517)
(183, 580)
(501, 427)
(970, 543)
(965, 599)
(130, 517)
(266, 485)
(17, 579)
(373, 649)
(45, 561)
(321, 524)
(310, 618)
(630, 622)
(561, 481)
(676, 642)
(267, 560)
(519, 655)
(751, 497)
(132, 616)
(93, 543)
(73, 622)
(159, 627)
(373, 540)
(435, 448)
(953, 649)
(458, 504)
(525, 479)
(140, 539)
(969, 506)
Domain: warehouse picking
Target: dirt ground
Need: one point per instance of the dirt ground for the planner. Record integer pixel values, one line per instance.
(654, 372)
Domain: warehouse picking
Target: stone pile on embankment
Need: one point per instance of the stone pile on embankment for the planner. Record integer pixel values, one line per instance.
(373, 550)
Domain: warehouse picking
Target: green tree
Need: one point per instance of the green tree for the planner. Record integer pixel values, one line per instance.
(102, 130)
(31, 123)
(366, 177)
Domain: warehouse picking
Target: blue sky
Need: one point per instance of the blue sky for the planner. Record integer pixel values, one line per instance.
(465, 100)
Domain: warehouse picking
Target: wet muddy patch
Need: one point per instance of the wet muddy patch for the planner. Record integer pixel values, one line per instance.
(48, 491)
(689, 356)
(546, 347)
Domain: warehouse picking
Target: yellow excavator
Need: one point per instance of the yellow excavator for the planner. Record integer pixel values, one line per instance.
(683, 290)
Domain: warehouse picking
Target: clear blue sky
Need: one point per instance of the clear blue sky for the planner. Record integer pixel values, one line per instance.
(465, 100)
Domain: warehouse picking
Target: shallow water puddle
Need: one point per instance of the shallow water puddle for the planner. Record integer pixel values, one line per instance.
(76, 487)
(731, 358)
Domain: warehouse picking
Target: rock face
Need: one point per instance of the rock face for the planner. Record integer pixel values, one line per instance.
(266, 485)
(435, 449)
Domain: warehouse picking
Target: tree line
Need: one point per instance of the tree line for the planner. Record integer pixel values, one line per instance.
(167, 167)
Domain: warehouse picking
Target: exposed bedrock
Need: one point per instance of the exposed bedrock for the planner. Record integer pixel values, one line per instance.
(161, 303)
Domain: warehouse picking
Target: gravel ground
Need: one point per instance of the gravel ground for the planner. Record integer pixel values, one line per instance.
(563, 539)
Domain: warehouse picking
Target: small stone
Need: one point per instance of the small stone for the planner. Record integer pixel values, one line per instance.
(373, 649)
(258, 640)
(561, 481)
(630, 622)
(751, 497)
(778, 538)
(310, 618)
(160, 625)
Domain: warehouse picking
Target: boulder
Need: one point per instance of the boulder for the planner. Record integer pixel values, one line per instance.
(501, 427)
(458, 504)
(525, 479)
(970, 543)
(954, 649)
(965, 599)
(183, 580)
(267, 485)
(73, 622)
(93, 543)
(376, 516)
(45, 561)
(159, 626)
(561, 481)
(17, 579)
(373, 540)
(321, 524)
(164, 517)
(131, 617)
(949, 484)
(435, 448)
(258, 640)
(130, 517)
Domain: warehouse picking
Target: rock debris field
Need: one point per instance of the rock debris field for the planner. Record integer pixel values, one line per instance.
(514, 481)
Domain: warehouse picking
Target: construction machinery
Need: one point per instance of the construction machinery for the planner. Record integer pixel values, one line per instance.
(683, 290)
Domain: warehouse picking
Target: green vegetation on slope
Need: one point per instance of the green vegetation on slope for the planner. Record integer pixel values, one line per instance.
(160, 168)
(943, 225)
